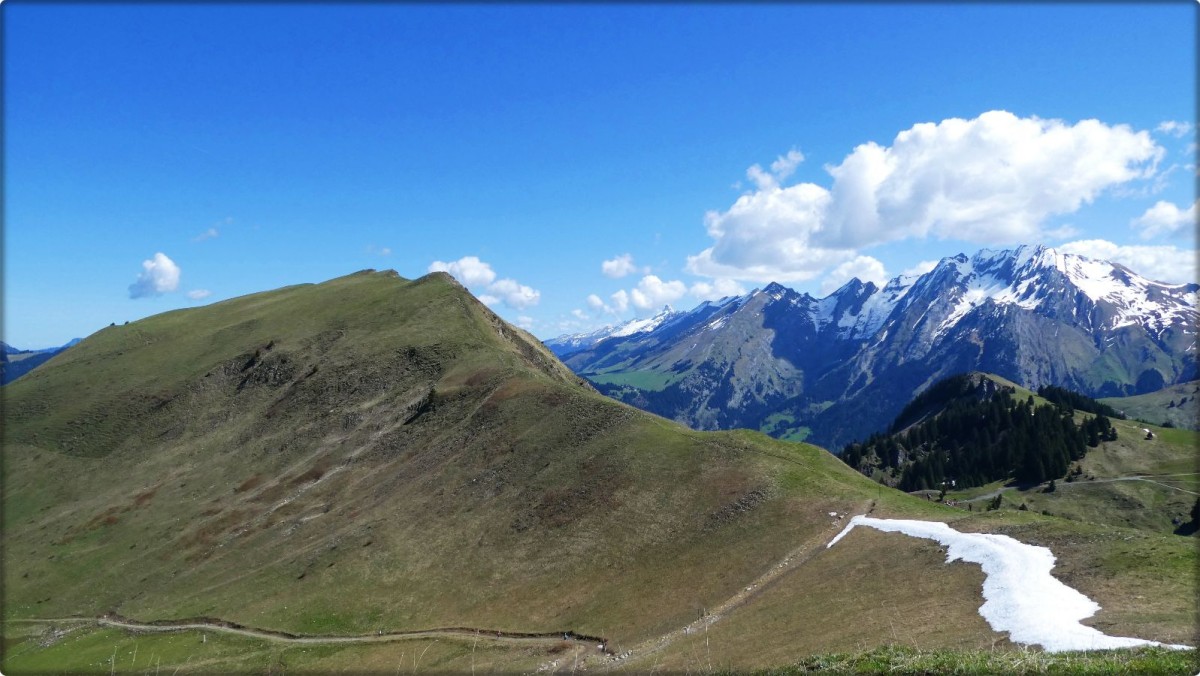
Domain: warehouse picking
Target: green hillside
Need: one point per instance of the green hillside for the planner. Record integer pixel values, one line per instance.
(374, 455)
(1175, 404)
(1135, 480)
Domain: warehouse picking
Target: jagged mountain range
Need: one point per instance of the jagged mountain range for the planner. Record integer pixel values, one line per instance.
(834, 369)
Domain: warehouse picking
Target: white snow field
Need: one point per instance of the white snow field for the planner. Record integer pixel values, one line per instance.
(1020, 595)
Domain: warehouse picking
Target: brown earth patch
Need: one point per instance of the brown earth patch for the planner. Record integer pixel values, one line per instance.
(249, 484)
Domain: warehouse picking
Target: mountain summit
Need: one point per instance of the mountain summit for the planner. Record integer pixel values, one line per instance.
(839, 367)
(379, 452)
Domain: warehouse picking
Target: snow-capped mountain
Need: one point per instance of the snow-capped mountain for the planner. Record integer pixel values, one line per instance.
(574, 342)
(841, 366)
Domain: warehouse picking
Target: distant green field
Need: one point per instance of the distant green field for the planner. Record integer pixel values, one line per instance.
(783, 426)
(1164, 405)
(652, 381)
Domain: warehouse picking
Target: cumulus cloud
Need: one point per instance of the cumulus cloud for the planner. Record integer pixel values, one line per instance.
(783, 167)
(469, 270)
(478, 275)
(514, 294)
(199, 294)
(865, 268)
(718, 289)
(159, 275)
(1160, 263)
(652, 292)
(1174, 128)
(620, 302)
(920, 268)
(1164, 218)
(580, 314)
(618, 267)
(994, 179)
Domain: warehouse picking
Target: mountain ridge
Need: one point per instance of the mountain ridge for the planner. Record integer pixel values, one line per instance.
(1031, 314)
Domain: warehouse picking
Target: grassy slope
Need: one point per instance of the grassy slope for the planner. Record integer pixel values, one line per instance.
(401, 459)
(1170, 461)
(889, 589)
(1155, 406)
(161, 470)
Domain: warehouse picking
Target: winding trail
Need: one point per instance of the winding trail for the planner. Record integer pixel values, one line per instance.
(788, 563)
(216, 625)
(1149, 478)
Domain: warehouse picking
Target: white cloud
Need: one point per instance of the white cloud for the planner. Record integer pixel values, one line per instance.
(652, 293)
(994, 179)
(594, 302)
(785, 165)
(526, 322)
(1164, 218)
(514, 294)
(718, 289)
(199, 294)
(469, 270)
(476, 274)
(767, 236)
(580, 314)
(1160, 263)
(1174, 128)
(620, 302)
(1064, 231)
(207, 234)
(387, 251)
(920, 268)
(159, 275)
(781, 168)
(618, 267)
(865, 268)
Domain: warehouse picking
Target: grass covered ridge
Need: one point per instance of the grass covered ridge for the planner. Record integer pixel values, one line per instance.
(374, 453)
(353, 455)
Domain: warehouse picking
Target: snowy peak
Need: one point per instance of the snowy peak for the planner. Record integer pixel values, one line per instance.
(1040, 278)
(575, 342)
(645, 325)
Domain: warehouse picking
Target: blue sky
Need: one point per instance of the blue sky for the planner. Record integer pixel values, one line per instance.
(167, 156)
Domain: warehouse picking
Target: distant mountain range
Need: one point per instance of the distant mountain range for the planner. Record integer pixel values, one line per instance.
(837, 368)
(15, 362)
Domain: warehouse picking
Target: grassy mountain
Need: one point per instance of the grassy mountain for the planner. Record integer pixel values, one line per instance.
(353, 455)
(378, 454)
(968, 430)
(1121, 478)
(1176, 404)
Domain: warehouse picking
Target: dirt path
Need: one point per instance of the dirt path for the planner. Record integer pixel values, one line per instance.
(794, 559)
(216, 625)
(1149, 478)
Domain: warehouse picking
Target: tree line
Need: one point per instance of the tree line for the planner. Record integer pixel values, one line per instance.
(982, 433)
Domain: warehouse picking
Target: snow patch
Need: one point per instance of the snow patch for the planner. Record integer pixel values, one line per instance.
(1020, 595)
